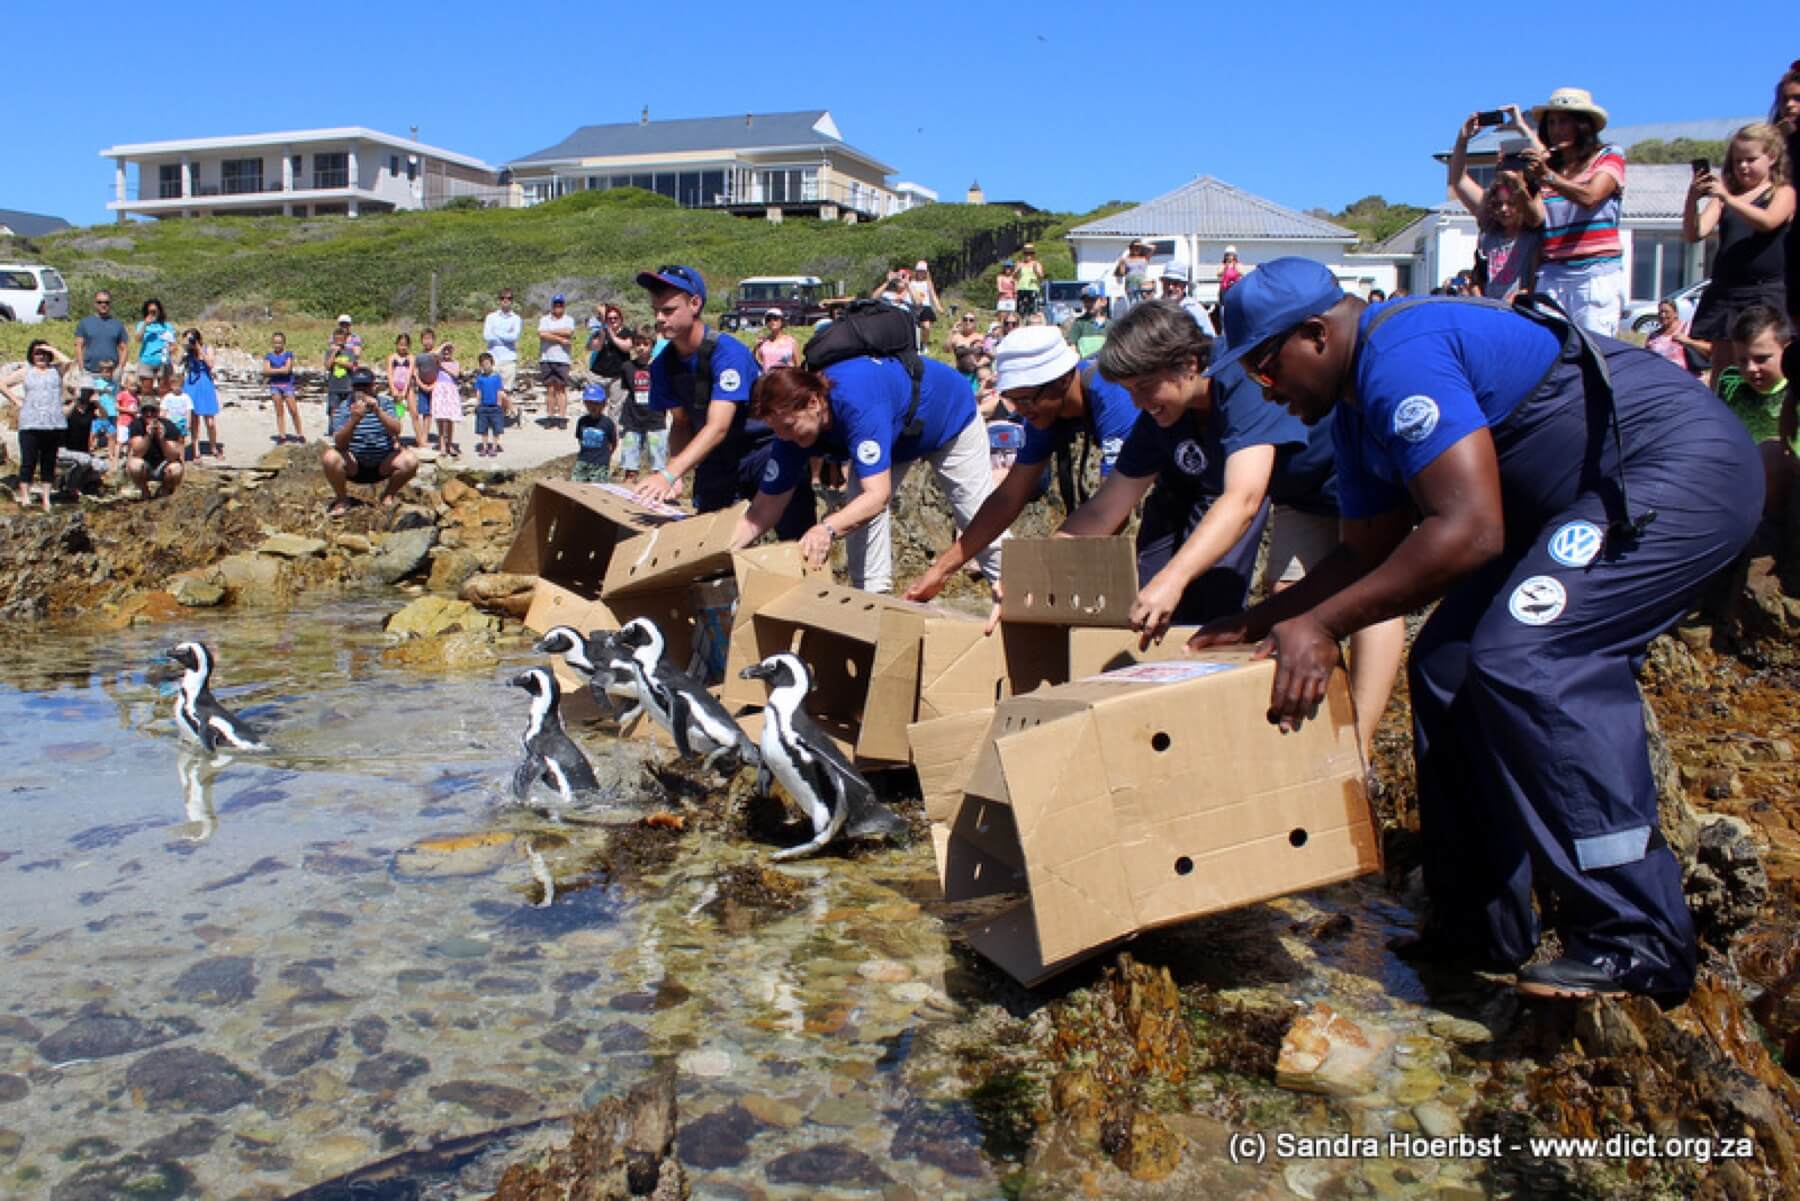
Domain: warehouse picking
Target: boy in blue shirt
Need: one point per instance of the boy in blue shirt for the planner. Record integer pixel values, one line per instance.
(598, 438)
(492, 401)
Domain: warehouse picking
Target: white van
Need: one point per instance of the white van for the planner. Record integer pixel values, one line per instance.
(30, 294)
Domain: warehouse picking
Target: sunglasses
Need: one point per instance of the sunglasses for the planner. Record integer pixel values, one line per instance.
(1259, 371)
(1032, 399)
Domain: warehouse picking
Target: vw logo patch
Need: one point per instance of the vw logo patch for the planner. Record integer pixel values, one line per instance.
(771, 472)
(729, 379)
(868, 452)
(1538, 601)
(1577, 544)
(1415, 418)
(1190, 458)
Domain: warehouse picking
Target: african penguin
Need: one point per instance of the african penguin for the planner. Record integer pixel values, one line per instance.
(550, 754)
(693, 717)
(198, 714)
(809, 765)
(613, 688)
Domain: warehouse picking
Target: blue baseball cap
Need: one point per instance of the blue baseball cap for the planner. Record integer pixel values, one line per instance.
(558, 299)
(682, 279)
(594, 394)
(1092, 290)
(1271, 300)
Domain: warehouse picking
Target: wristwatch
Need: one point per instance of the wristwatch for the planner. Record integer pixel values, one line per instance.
(831, 529)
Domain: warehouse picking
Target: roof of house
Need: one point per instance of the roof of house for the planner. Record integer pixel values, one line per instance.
(249, 141)
(30, 225)
(752, 131)
(1214, 209)
(1653, 191)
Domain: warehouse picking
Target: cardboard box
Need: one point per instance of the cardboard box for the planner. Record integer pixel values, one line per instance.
(862, 648)
(594, 540)
(1146, 797)
(1068, 581)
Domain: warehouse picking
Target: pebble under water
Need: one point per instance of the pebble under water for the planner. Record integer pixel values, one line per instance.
(242, 980)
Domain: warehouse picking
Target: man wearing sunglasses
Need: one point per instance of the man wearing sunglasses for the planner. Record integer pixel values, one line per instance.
(1562, 498)
(1062, 400)
(704, 378)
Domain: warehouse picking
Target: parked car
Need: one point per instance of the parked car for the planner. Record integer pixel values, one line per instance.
(799, 297)
(31, 294)
(1062, 300)
(1639, 316)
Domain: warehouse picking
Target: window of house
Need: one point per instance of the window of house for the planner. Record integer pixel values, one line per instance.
(168, 181)
(712, 187)
(240, 175)
(295, 162)
(1656, 264)
(331, 170)
(412, 167)
(394, 165)
(687, 189)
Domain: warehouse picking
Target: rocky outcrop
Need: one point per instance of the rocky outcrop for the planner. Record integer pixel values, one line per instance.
(620, 1149)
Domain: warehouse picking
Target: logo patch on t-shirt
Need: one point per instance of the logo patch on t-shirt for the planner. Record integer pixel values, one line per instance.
(1576, 544)
(1415, 418)
(1538, 601)
(729, 380)
(868, 452)
(771, 472)
(1190, 458)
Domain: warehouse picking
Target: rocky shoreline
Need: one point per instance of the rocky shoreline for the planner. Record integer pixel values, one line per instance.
(1131, 1078)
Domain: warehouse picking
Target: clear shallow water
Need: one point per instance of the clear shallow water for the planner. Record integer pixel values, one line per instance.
(342, 939)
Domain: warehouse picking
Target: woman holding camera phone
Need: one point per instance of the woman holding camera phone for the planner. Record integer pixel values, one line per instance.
(1752, 206)
(1503, 211)
(197, 382)
(1582, 192)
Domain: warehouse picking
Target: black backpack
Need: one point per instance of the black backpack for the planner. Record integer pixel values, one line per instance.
(873, 327)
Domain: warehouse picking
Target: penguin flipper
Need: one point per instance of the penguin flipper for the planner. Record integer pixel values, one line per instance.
(240, 736)
(679, 715)
(526, 774)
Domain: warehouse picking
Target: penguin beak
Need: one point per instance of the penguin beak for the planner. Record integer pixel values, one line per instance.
(520, 681)
(542, 646)
(756, 671)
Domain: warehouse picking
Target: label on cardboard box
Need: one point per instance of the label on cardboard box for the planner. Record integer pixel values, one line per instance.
(1167, 672)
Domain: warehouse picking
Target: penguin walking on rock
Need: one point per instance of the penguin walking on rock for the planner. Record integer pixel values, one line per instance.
(198, 714)
(693, 717)
(597, 657)
(810, 766)
(550, 754)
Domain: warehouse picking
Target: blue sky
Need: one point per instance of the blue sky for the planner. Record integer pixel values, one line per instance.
(1062, 104)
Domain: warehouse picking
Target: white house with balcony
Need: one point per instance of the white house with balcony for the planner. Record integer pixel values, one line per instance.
(297, 173)
(759, 164)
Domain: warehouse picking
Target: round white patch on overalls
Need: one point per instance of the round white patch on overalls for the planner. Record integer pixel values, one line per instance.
(1538, 601)
(1577, 544)
(1190, 458)
(771, 472)
(1415, 418)
(729, 379)
(868, 453)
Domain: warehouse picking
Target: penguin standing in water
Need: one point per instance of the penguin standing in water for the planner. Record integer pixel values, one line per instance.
(693, 717)
(597, 657)
(550, 754)
(198, 714)
(809, 765)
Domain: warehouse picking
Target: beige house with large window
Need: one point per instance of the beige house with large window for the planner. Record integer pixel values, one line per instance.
(761, 164)
(297, 173)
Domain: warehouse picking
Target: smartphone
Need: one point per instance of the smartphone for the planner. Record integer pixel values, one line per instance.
(1493, 116)
(1701, 166)
(1513, 162)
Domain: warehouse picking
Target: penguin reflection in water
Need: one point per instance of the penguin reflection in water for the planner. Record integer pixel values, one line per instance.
(198, 714)
(550, 754)
(680, 704)
(812, 769)
(599, 658)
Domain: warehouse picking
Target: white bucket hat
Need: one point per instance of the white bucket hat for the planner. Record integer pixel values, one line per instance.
(1571, 100)
(1032, 355)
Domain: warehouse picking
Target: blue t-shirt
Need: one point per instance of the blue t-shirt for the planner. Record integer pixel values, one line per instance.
(734, 373)
(487, 388)
(1110, 418)
(1431, 374)
(869, 399)
(1189, 456)
(1305, 476)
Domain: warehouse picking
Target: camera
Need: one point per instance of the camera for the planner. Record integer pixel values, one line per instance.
(1492, 116)
(1513, 162)
(1701, 166)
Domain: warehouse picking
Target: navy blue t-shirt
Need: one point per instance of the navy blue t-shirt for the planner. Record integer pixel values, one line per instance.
(869, 399)
(1109, 420)
(1429, 375)
(1189, 456)
(734, 373)
(1305, 477)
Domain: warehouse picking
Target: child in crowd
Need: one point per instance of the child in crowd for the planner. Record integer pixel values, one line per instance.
(106, 421)
(202, 393)
(1755, 387)
(446, 400)
(597, 437)
(645, 430)
(492, 402)
(121, 435)
(422, 387)
(177, 409)
(1006, 286)
(400, 374)
(278, 370)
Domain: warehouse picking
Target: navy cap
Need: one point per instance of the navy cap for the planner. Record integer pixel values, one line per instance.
(558, 299)
(594, 394)
(682, 279)
(1271, 300)
(362, 377)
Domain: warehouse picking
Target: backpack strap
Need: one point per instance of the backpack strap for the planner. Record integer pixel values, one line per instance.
(703, 377)
(911, 426)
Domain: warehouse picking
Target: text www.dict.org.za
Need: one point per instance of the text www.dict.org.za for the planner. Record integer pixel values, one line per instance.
(1259, 1147)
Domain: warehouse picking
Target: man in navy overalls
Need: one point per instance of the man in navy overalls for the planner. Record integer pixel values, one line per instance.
(1563, 499)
